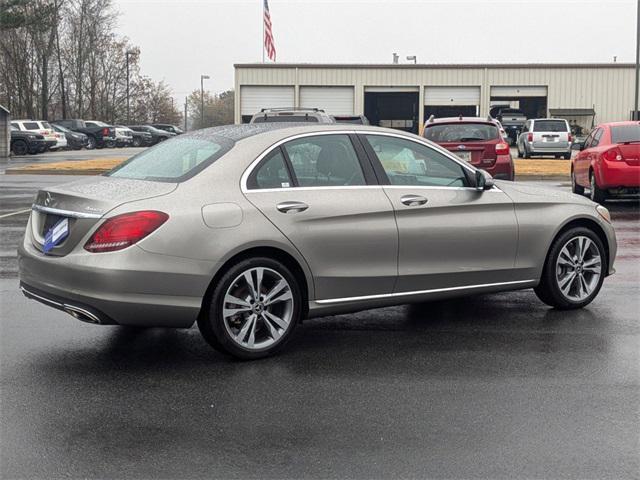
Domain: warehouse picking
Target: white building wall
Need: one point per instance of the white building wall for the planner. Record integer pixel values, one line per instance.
(606, 88)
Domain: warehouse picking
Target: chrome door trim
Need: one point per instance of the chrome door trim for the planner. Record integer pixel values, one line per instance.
(420, 292)
(64, 213)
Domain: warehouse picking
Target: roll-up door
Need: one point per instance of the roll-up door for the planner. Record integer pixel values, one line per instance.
(333, 100)
(254, 98)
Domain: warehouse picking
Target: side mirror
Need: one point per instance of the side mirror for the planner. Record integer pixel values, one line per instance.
(484, 181)
(577, 146)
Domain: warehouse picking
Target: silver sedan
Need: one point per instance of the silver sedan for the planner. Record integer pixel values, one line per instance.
(250, 229)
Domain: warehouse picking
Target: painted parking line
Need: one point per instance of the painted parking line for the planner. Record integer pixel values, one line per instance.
(15, 213)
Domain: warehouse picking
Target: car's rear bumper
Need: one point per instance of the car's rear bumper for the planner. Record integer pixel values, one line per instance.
(502, 169)
(129, 287)
(617, 175)
(538, 149)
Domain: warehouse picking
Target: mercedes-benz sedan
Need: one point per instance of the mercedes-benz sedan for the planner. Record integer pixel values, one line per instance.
(249, 229)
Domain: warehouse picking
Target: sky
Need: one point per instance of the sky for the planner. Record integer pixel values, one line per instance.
(182, 39)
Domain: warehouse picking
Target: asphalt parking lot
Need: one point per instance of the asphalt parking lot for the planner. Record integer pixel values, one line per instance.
(494, 386)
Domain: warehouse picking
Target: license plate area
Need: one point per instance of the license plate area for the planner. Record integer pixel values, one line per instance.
(463, 155)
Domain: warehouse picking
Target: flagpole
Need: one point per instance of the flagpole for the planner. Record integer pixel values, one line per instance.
(262, 31)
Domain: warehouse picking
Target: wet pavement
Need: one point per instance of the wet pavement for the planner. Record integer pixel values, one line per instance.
(493, 386)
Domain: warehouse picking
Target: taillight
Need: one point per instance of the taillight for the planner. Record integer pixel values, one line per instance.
(502, 149)
(124, 230)
(570, 138)
(613, 155)
(529, 137)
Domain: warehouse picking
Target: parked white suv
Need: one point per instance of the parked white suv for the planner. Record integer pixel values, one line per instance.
(51, 137)
(545, 136)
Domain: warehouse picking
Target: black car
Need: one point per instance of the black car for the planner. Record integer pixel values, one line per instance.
(23, 142)
(98, 136)
(140, 139)
(157, 135)
(75, 140)
(168, 128)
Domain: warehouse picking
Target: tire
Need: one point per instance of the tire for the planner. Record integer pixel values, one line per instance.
(137, 142)
(567, 156)
(557, 269)
(519, 151)
(248, 333)
(20, 147)
(575, 188)
(526, 153)
(596, 194)
(557, 157)
(91, 143)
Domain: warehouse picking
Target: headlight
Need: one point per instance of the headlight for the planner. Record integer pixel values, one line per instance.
(604, 213)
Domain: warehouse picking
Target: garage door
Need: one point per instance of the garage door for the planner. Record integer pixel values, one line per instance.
(522, 91)
(254, 98)
(333, 100)
(452, 96)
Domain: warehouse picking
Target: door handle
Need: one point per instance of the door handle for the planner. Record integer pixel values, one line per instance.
(413, 200)
(292, 207)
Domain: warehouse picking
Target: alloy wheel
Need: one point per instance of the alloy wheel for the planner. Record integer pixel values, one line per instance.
(578, 268)
(258, 308)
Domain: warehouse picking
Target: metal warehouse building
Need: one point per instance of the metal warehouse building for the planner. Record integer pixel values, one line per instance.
(403, 96)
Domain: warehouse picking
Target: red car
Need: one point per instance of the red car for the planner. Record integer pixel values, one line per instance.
(475, 140)
(608, 163)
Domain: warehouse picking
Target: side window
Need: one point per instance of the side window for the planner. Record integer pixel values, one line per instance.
(410, 163)
(31, 126)
(589, 139)
(596, 137)
(271, 173)
(324, 161)
(525, 128)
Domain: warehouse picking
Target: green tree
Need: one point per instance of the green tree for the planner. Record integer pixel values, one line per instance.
(218, 109)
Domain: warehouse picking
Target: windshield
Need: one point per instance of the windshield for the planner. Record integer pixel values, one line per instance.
(461, 132)
(625, 133)
(285, 118)
(60, 128)
(173, 161)
(550, 126)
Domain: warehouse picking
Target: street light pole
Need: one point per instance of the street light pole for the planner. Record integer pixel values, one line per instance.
(202, 79)
(636, 114)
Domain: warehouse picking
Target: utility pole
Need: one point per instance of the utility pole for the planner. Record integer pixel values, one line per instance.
(636, 114)
(202, 79)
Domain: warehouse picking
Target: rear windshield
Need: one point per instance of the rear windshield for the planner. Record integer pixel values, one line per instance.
(31, 126)
(550, 126)
(285, 118)
(46, 125)
(173, 161)
(461, 132)
(625, 133)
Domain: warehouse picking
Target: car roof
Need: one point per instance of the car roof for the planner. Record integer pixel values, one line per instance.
(244, 131)
(545, 119)
(619, 124)
(461, 120)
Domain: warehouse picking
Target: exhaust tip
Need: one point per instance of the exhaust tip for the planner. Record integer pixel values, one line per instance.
(82, 315)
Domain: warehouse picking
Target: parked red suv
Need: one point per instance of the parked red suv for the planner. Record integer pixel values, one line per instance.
(475, 140)
(608, 163)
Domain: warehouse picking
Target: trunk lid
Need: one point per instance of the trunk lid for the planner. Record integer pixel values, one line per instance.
(83, 204)
(477, 154)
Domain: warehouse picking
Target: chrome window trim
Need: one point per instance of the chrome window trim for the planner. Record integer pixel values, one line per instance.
(64, 213)
(419, 292)
(245, 176)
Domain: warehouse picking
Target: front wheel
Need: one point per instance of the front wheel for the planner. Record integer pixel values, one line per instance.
(574, 270)
(19, 147)
(254, 309)
(597, 194)
(575, 188)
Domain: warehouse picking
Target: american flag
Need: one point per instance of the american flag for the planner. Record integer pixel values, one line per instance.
(269, 44)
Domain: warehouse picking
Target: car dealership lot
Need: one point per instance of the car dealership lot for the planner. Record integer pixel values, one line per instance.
(490, 386)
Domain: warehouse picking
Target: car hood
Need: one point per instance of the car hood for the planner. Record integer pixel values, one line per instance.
(530, 193)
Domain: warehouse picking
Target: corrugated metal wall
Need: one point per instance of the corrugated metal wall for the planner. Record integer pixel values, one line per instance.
(607, 89)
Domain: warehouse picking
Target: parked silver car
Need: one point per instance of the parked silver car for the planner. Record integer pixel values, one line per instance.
(248, 229)
(545, 136)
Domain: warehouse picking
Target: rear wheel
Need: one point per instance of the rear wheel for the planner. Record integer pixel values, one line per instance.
(91, 143)
(526, 153)
(574, 270)
(19, 147)
(575, 188)
(597, 194)
(567, 156)
(254, 309)
(137, 142)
